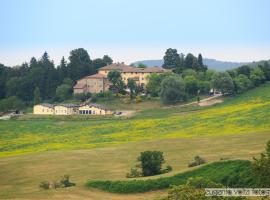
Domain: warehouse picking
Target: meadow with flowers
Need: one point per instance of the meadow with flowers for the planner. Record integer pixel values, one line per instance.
(246, 113)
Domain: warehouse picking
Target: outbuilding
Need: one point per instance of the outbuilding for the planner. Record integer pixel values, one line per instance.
(94, 109)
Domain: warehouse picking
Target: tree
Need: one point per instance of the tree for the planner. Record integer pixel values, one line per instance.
(154, 83)
(245, 69)
(37, 99)
(266, 70)
(107, 60)
(141, 65)
(261, 168)
(116, 79)
(151, 162)
(242, 83)
(80, 64)
(11, 103)
(257, 76)
(189, 72)
(223, 82)
(131, 84)
(171, 59)
(191, 84)
(172, 89)
(191, 62)
(63, 92)
(202, 67)
(204, 87)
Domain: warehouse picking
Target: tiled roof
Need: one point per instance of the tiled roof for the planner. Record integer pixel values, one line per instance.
(126, 68)
(48, 105)
(68, 105)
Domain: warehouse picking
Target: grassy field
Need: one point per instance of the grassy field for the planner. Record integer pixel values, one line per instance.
(21, 174)
(34, 149)
(246, 113)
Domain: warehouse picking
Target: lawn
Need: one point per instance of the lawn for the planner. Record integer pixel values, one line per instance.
(247, 113)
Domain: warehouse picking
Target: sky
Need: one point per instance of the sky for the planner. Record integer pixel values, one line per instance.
(228, 30)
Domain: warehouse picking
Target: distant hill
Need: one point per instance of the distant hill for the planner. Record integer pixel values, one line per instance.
(211, 63)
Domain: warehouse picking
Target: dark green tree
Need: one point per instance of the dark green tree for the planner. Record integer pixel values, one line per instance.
(171, 59)
(257, 76)
(245, 69)
(107, 60)
(154, 83)
(266, 70)
(80, 64)
(242, 83)
(151, 162)
(37, 99)
(63, 92)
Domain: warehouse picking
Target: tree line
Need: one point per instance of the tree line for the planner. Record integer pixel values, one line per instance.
(41, 80)
(192, 78)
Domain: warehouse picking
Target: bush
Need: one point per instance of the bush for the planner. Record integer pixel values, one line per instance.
(134, 172)
(197, 161)
(138, 99)
(44, 185)
(82, 96)
(65, 182)
(167, 169)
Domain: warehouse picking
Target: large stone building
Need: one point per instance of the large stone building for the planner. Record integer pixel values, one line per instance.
(99, 82)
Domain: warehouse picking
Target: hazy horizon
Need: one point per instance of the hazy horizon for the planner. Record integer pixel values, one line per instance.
(226, 30)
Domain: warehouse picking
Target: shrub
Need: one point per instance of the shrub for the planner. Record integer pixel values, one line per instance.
(138, 99)
(167, 169)
(65, 181)
(197, 161)
(44, 185)
(134, 172)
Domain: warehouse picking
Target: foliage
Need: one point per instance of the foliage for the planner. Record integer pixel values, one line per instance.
(171, 59)
(257, 76)
(44, 185)
(64, 182)
(204, 87)
(242, 83)
(223, 82)
(154, 83)
(151, 162)
(191, 85)
(134, 172)
(261, 167)
(11, 103)
(37, 99)
(197, 161)
(131, 84)
(141, 65)
(219, 172)
(82, 96)
(21, 81)
(116, 79)
(63, 92)
(172, 89)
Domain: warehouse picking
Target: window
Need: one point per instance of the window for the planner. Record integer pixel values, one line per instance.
(83, 112)
(80, 112)
(142, 78)
(94, 112)
(90, 112)
(86, 112)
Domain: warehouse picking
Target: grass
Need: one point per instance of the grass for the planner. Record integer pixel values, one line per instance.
(245, 113)
(234, 173)
(21, 174)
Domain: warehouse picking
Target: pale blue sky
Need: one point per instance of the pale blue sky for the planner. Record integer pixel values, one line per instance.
(237, 30)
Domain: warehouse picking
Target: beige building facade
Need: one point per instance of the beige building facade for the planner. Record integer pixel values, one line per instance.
(94, 109)
(65, 109)
(44, 109)
(89, 83)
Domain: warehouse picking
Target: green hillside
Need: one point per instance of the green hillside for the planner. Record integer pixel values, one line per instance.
(245, 113)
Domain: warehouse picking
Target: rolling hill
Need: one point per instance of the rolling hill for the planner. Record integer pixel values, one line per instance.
(211, 63)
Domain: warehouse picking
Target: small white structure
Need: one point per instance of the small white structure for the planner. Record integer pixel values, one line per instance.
(94, 109)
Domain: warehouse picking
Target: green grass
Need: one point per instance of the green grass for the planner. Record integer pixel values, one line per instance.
(234, 173)
(243, 114)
